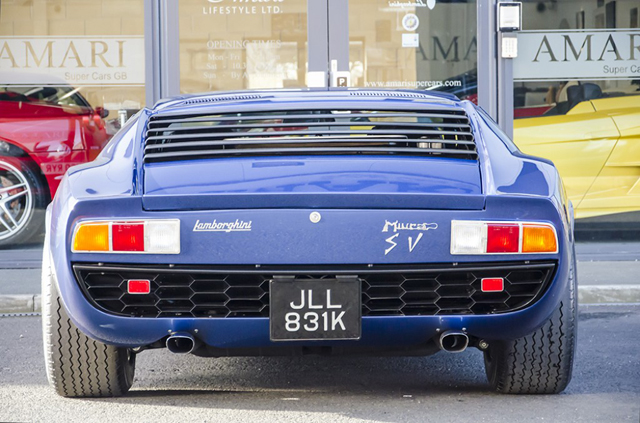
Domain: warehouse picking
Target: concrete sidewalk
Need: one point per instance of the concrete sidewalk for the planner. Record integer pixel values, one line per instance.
(607, 273)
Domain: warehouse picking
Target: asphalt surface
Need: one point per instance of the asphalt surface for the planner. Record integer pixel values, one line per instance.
(441, 388)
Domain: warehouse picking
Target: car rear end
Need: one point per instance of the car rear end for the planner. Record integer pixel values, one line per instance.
(314, 223)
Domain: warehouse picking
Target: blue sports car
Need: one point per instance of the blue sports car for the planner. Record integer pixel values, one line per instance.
(310, 222)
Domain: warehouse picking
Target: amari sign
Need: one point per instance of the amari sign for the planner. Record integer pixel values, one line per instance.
(596, 55)
(77, 60)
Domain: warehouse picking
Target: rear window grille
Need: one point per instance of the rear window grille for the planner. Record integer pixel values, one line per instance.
(402, 94)
(433, 132)
(238, 97)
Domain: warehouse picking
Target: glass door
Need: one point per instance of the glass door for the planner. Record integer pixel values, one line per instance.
(414, 44)
(243, 45)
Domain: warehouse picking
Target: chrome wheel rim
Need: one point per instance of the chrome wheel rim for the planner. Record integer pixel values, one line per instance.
(16, 200)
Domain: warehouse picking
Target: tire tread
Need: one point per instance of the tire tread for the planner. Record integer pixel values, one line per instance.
(541, 362)
(78, 366)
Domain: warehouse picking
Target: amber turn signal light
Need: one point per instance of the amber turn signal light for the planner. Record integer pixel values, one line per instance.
(538, 239)
(92, 237)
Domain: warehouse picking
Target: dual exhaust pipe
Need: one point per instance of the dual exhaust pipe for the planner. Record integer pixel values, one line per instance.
(451, 341)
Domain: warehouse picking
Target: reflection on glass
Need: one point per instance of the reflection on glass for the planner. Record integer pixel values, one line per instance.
(69, 70)
(248, 46)
(414, 45)
(577, 102)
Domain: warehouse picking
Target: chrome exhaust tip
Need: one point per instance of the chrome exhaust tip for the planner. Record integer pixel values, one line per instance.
(453, 341)
(181, 343)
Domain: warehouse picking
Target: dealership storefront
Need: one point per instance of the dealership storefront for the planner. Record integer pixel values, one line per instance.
(569, 92)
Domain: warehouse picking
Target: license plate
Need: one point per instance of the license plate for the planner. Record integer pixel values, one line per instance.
(315, 309)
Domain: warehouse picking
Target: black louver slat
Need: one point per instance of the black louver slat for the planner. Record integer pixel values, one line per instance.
(434, 132)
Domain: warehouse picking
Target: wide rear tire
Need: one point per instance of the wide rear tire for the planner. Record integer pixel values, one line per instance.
(78, 366)
(541, 362)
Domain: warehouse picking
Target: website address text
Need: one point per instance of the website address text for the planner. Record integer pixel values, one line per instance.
(412, 84)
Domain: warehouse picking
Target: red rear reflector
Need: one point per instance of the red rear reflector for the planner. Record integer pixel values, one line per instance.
(138, 287)
(492, 285)
(127, 236)
(503, 238)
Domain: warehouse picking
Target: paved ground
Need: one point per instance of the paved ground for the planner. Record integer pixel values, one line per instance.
(608, 251)
(19, 281)
(442, 388)
(25, 257)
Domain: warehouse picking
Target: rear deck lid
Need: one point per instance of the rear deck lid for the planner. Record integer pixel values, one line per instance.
(316, 154)
(302, 182)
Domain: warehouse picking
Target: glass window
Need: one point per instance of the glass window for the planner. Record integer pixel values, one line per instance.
(577, 102)
(566, 58)
(242, 45)
(71, 71)
(56, 96)
(415, 45)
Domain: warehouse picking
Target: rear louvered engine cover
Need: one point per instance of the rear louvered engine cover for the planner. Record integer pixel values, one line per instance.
(198, 291)
(430, 131)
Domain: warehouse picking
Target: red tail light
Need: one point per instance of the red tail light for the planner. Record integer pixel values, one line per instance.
(503, 238)
(128, 236)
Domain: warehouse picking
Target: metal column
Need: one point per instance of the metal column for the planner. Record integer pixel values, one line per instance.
(318, 47)
(339, 35)
(495, 74)
(487, 57)
(162, 64)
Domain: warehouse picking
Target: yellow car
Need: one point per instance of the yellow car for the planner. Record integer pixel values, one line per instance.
(596, 147)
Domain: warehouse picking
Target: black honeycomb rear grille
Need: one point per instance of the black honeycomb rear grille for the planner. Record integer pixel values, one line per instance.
(198, 291)
(429, 131)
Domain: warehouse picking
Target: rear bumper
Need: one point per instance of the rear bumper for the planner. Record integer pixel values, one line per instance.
(252, 333)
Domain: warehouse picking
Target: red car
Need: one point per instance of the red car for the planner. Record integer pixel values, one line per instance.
(44, 130)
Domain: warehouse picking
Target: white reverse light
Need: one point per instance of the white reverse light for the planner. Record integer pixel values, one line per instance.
(162, 236)
(468, 237)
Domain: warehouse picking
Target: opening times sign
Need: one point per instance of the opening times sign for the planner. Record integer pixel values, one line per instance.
(578, 54)
(82, 61)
